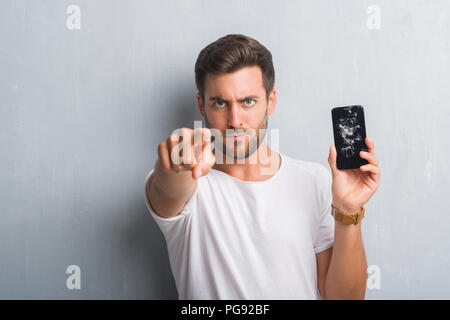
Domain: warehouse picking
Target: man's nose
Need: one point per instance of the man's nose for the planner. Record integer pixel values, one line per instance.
(235, 119)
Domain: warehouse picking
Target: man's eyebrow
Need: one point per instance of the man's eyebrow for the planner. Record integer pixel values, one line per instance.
(219, 98)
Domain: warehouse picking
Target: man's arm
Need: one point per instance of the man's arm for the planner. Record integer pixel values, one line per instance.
(168, 191)
(178, 189)
(346, 276)
(342, 271)
(172, 183)
(323, 262)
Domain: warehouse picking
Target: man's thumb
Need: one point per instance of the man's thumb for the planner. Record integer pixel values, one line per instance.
(332, 159)
(197, 171)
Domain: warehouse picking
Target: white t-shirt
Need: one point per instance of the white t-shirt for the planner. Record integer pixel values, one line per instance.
(238, 239)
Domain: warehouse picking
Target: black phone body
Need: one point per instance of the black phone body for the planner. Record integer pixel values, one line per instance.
(349, 130)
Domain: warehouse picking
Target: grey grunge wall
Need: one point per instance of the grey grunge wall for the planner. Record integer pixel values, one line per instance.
(88, 88)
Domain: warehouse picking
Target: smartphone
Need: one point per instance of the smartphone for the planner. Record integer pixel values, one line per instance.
(349, 130)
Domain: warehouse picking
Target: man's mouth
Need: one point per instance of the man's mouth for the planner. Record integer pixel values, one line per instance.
(237, 137)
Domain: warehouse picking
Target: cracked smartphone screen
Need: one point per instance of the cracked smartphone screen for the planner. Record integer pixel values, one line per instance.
(349, 136)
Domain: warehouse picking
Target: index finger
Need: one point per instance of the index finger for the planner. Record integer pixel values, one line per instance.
(202, 138)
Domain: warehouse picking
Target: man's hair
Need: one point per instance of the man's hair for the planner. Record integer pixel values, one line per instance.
(231, 53)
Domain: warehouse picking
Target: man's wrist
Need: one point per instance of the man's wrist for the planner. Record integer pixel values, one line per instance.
(347, 217)
(348, 210)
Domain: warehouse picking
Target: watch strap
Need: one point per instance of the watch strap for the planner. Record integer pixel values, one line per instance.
(347, 218)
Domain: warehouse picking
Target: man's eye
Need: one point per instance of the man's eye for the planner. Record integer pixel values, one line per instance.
(220, 106)
(252, 102)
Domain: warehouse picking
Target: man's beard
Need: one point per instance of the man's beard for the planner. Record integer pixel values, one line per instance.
(254, 140)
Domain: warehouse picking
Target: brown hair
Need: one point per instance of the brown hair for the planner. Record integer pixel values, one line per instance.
(231, 53)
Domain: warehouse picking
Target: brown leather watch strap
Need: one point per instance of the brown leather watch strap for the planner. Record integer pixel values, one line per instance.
(348, 218)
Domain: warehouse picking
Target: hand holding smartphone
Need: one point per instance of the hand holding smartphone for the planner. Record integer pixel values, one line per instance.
(349, 130)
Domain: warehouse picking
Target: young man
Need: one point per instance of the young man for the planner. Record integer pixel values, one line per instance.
(261, 229)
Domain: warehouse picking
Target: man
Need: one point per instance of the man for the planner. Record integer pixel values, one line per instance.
(239, 230)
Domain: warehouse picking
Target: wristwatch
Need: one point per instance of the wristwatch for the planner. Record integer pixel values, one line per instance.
(347, 218)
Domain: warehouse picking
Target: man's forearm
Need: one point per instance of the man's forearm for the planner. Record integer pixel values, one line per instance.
(347, 272)
(174, 185)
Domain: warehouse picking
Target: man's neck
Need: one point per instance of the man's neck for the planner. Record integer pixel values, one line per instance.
(267, 163)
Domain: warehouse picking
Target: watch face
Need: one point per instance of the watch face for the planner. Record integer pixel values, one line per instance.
(347, 218)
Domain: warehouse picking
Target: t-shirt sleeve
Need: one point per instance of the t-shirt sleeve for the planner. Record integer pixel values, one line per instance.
(325, 233)
(173, 226)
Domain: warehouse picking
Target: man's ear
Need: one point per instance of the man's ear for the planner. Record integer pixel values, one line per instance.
(200, 105)
(272, 102)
